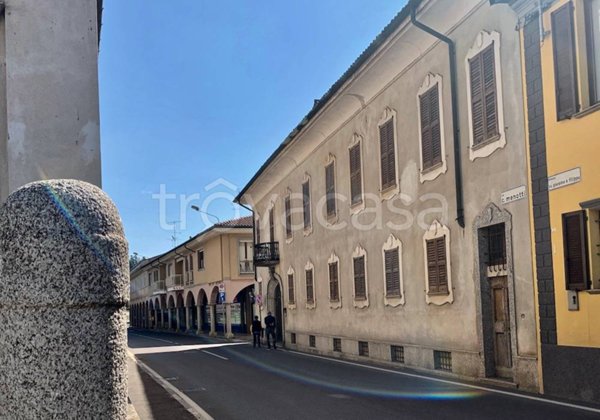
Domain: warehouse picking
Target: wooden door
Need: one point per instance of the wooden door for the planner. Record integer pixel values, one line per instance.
(501, 326)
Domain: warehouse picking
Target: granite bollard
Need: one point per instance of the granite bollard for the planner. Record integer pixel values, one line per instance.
(64, 289)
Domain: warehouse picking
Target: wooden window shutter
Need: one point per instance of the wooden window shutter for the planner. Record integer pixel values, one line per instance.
(310, 297)
(388, 155)
(257, 228)
(392, 273)
(306, 203)
(288, 217)
(333, 282)
(565, 70)
(360, 291)
(484, 97)
(330, 188)
(272, 225)
(437, 272)
(355, 175)
(430, 128)
(292, 297)
(575, 250)
(477, 100)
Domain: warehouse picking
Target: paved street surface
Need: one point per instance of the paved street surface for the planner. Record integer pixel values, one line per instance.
(236, 381)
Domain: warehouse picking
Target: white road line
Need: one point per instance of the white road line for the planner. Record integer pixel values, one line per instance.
(194, 409)
(152, 338)
(216, 355)
(445, 381)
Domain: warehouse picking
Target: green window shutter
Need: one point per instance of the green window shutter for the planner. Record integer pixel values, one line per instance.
(565, 69)
(576, 250)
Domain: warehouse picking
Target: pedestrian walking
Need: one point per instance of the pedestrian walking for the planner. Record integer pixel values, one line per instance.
(270, 324)
(256, 331)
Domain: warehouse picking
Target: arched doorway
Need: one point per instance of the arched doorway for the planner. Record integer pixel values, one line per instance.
(172, 319)
(274, 305)
(181, 313)
(192, 313)
(241, 311)
(205, 313)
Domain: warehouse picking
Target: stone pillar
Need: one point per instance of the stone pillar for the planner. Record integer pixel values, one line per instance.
(228, 332)
(199, 319)
(188, 321)
(64, 289)
(213, 321)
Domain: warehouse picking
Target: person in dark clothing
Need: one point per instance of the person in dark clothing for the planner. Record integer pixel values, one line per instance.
(270, 324)
(256, 331)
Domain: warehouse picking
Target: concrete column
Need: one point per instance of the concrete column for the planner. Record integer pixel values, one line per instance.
(188, 321)
(177, 318)
(63, 348)
(213, 321)
(199, 319)
(228, 332)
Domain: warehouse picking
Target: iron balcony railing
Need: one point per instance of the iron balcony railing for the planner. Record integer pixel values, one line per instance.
(266, 254)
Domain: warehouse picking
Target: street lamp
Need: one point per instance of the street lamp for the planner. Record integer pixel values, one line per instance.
(196, 208)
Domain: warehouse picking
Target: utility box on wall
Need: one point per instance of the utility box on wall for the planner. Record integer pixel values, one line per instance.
(573, 299)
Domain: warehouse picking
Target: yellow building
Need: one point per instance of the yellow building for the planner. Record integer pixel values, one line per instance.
(561, 53)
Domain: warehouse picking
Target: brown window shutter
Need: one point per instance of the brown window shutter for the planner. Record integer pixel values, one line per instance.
(565, 70)
(288, 217)
(257, 228)
(310, 297)
(432, 268)
(488, 62)
(272, 225)
(360, 291)
(292, 297)
(392, 273)
(477, 107)
(430, 128)
(576, 250)
(306, 203)
(333, 282)
(437, 272)
(330, 188)
(388, 155)
(355, 175)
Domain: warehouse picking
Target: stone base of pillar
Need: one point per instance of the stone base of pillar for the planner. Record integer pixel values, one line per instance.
(213, 334)
(229, 335)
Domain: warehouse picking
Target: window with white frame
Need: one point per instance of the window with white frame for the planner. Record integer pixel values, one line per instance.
(485, 105)
(387, 153)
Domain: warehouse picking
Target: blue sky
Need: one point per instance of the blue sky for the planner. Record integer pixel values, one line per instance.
(197, 91)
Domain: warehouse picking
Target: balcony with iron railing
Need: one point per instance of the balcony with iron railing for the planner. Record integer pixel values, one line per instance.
(266, 254)
(246, 267)
(175, 282)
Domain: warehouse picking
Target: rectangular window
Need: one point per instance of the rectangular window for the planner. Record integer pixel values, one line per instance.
(431, 146)
(437, 275)
(592, 32)
(576, 250)
(334, 285)
(246, 255)
(312, 341)
(257, 228)
(288, 217)
(484, 102)
(360, 287)
(306, 204)
(355, 175)
(363, 348)
(388, 155)
(200, 255)
(337, 345)
(191, 264)
(272, 225)
(330, 189)
(310, 295)
(392, 273)
(397, 354)
(442, 360)
(291, 294)
(293, 338)
(565, 69)
(496, 245)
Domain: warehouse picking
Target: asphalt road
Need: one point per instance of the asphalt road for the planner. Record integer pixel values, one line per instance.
(240, 382)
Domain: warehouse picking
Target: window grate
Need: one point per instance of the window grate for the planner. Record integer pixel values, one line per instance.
(312, 341)
(293, 338)
(363, 348)
(337, 344)
(397, 354)
(442, 360)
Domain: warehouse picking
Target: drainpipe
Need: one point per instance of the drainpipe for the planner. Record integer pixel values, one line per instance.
(460, 212)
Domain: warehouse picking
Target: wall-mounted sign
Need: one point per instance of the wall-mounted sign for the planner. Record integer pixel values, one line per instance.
(563, 179)
(515, 194)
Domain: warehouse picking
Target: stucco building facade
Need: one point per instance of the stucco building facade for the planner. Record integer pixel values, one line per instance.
(203, 286)
(49, 112)
(561, 51)
(393, 223)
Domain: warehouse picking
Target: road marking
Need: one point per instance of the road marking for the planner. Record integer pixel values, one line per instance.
(214, 354)
(194, 409)
(152, 338)
(180, 348)
(445, 381)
